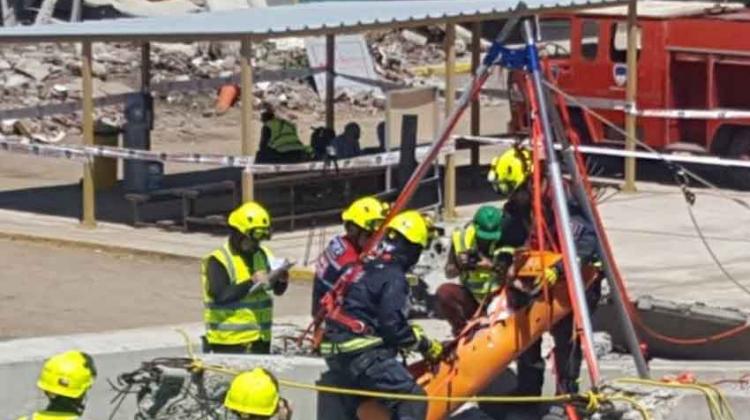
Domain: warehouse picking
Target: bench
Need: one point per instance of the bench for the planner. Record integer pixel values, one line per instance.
(188, 197)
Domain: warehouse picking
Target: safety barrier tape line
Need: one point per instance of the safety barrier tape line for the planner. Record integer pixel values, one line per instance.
(605, 151)
(695, 114)
(83, 153)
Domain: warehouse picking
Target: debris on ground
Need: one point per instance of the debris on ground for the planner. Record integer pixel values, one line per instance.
(42, 74)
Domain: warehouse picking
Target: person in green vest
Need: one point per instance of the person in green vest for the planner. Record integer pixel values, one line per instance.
(479, 259)
(65, 379)
(279, 141)
(237, 278)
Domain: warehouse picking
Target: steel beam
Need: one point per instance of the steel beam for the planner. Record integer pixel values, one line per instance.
(88, 217)
(449, 210)
(630, 95)
(330, 81)
(246, 91)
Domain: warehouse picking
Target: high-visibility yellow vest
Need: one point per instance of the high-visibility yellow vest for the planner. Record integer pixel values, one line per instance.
(240, 322)
(284, 138)
(479, 281)
(50, 415)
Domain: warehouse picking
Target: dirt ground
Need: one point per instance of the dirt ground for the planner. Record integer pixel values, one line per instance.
(83, 290)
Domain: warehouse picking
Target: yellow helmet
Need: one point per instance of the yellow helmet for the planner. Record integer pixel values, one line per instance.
(367, 213)
(413, 226)
(68, 374)
(251, 219)
(254, 392)
(509, 170)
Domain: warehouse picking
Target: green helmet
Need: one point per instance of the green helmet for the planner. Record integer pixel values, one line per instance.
(488, 222)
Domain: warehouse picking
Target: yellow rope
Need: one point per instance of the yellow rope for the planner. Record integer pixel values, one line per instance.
(715, 399)
(593, 399)
(642, 410)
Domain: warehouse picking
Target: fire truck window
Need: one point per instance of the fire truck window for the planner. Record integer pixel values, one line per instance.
(556, 37)
(618, 50)
(589, 39)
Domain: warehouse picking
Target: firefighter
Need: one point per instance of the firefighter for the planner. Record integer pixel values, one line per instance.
(510, 176)
(361, 219)
(65, 379)
(254, 395)
(238, 308)
(479, 259)
(279, 141)
(364, 336)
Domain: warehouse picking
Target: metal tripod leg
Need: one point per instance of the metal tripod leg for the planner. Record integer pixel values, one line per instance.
(576, 287)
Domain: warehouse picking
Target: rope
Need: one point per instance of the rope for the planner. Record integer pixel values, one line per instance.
(630, 307)
(613, 126)
(717, 403)
(711, 252)
(592, 399)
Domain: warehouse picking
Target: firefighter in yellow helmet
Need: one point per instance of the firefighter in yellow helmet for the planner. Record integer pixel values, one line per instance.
(510, 175)
(360, 219)
(65, 379)
(238, 307)
(254, 395)
(364, 336)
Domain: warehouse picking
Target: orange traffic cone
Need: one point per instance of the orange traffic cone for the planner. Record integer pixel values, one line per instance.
(228, 95)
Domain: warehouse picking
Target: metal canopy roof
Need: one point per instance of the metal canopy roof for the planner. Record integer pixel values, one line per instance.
(668, 9)
(280, 21)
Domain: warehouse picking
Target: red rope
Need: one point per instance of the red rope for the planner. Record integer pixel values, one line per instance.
(620, 282)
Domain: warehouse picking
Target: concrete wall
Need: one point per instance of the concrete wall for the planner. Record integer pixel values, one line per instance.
(123, 351)
(118, 352)
(23, 398)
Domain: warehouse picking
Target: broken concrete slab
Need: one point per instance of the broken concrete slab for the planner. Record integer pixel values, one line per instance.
(33, 68)
(414, 37)
(145, 8)
(681, 320)
(13, 81)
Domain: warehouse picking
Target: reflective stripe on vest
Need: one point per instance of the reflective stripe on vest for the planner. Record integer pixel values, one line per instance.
(350, 346)
(480, 282)
(247, 320)
(284, 138)
(50, 415)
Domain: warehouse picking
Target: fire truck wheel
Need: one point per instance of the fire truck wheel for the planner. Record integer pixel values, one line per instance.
(740, 149)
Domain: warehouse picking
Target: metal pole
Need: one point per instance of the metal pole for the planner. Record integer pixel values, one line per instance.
(330, 81)
(146, 67)
(450, 98)
(246, 92)
(576, 288)
(579, 190)
(88, 218)
(75, 11)
(476, 37)
(630, 95)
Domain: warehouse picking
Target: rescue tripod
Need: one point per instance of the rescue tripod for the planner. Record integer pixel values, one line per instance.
(477, 358)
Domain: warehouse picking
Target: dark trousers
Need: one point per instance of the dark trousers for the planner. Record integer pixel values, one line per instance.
(378, 370)
(567, 352)
(256, 347)
(456, 304)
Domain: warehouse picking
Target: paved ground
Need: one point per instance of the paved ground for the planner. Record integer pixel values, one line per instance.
(48, 290)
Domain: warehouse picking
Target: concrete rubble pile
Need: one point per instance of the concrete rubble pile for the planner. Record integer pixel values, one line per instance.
(33, 75)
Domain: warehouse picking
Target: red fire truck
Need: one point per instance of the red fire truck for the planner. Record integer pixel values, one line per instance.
(691, 55)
